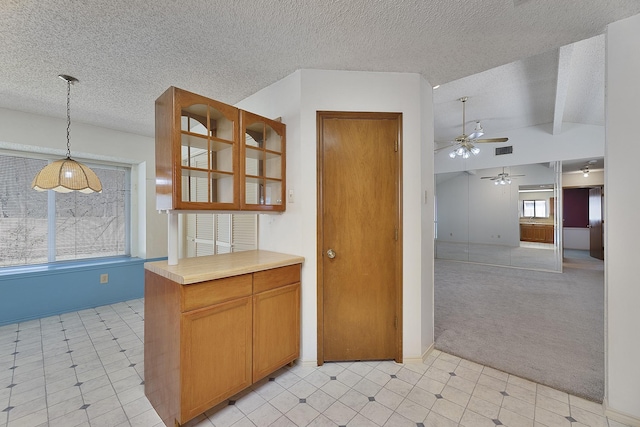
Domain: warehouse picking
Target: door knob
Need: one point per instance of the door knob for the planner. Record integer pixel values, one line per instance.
(331, 253)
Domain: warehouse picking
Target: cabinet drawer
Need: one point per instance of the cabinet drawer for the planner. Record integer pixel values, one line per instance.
(203, 294)
(276, 277)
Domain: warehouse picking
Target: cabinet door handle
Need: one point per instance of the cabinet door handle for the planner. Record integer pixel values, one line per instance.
(331, 254)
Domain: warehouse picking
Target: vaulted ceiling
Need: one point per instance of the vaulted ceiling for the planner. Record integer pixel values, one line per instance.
(521, 62)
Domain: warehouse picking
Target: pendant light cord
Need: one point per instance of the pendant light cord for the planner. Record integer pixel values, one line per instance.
(68, 119)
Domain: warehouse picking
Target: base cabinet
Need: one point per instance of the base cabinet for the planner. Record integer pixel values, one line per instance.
(541, 233)
(207, 341)
(210, 375)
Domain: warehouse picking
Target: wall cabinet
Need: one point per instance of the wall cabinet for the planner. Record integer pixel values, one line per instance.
(541, 233)
(206, 341)
(213, 156)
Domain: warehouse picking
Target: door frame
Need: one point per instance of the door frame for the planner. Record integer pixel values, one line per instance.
(320, 116)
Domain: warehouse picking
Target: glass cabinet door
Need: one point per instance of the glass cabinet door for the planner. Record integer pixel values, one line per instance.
(263, 144)
(208, 151)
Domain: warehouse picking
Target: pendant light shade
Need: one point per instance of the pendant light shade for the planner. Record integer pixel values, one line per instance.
(67, 175)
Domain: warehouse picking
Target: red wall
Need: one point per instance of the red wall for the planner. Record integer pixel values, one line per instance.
(576, 207)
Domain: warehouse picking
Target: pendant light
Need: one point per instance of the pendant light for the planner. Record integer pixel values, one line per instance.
(67, 175)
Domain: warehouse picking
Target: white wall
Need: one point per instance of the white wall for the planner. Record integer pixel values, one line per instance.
(297, 98)
(30, 132)
(595, 178)
(622, 233)
(427, 215)
(576, 238)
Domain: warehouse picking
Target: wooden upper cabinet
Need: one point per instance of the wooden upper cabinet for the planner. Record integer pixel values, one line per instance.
(199, 164)
(262, 150)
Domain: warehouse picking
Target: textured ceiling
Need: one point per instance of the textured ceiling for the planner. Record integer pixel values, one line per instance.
(126, 53)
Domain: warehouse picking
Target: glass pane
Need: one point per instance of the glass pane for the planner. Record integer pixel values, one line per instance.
(541, 208)
(221, 126)
(221, 156)
(528, 208)
(254, 165)
(254, 135)
(274, 165)
(195, 186)
(23, 213)
(222, 188)
(92, 225)
(194, 151)
(194, 119)
(274, 141)
(253, 191)
(273, 193)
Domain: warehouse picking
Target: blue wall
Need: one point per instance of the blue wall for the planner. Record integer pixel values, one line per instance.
(39, 291)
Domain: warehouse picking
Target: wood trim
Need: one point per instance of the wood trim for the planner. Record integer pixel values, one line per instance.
(320, 116)
(319, 239)
(162, 354)
(399, 253)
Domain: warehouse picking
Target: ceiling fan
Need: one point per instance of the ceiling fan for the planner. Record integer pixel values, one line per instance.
(501, 179)
(464, 144)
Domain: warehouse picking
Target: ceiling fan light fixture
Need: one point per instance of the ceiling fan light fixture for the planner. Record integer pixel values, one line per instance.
(66, 175)
(477, 131)
(466, 142)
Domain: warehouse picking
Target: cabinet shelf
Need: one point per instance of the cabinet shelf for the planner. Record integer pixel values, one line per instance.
(204, 150)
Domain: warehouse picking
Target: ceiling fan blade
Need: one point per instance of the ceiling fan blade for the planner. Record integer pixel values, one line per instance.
(451, 146)
(489, 177)
(492, 140)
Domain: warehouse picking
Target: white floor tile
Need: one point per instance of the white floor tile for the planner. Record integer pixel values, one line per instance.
(69, 371)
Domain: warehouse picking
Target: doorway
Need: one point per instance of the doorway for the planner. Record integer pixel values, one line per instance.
(359, 236)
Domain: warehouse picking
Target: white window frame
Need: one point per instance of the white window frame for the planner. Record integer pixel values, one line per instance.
(51, 207)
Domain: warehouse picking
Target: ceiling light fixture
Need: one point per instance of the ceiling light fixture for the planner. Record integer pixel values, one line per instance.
(67, 175)
(585, 171)
(502, 181)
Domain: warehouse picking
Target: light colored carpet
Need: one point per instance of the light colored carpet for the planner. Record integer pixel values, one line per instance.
(543, 326)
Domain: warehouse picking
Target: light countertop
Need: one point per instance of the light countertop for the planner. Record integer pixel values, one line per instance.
(200, 269)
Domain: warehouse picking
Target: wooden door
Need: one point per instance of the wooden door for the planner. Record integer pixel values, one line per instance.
(359, 241)
(595, 223)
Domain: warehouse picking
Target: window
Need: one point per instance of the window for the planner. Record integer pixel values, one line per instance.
(40, 227)
(209, 234)
(534, 208)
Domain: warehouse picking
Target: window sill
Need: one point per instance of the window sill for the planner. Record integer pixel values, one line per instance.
(67, 266)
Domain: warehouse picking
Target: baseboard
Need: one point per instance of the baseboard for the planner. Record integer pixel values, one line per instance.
(620, 417)
(420, 359)
(307, 363)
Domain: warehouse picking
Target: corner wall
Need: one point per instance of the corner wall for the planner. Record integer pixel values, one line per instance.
(622, 234)
(297, 98)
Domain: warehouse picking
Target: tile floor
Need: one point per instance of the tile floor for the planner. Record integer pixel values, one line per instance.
(86, 369)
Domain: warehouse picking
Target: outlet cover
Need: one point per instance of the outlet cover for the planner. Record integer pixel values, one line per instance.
(104, 278)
